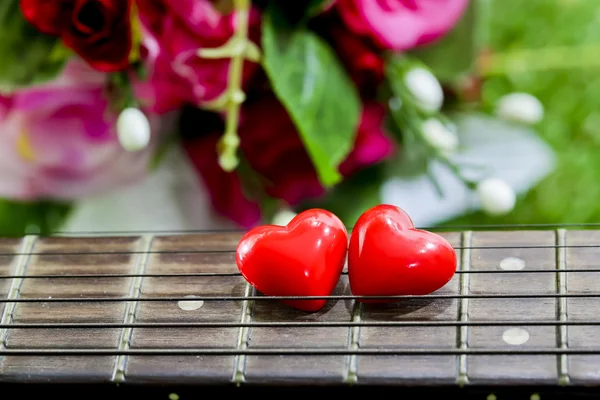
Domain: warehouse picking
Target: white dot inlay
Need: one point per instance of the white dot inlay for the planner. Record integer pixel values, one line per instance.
(515, 336)
(188, 305)
(491, 396)
(535, 396)
(512, 264)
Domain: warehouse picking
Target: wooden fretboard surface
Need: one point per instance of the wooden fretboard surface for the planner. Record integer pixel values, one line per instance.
(522, 309)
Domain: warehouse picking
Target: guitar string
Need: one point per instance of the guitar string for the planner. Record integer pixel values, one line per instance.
(294, 324)
(232, 251)
(48, 300)
(430, 228)
(237, 274)
(390, 351)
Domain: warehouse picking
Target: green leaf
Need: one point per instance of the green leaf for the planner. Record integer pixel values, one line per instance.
(311, 83)
(316, 7)
(454, 54)
(28, 56)
(20, 218)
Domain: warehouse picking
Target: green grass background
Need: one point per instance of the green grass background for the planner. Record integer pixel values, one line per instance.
(570, 94)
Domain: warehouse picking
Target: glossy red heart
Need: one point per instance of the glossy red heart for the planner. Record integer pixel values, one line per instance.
(304, 258)
(387, 256)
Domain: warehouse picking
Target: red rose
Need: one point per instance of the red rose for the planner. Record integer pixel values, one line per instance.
(272, 146)
(364, 64)
(224, 188)
(273, 149)
(99, 31)
(362, 60)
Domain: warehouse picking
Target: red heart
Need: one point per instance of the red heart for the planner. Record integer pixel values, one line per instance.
(389, 257)
(304, 258)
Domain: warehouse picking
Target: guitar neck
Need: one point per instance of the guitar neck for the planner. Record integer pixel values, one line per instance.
(173, 308)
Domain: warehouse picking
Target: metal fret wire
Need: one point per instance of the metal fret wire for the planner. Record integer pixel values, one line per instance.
(354, 325)
(239, 373)
(131, 310)
(15, 289)
(463, 330)
(561, 279)
(351, 376)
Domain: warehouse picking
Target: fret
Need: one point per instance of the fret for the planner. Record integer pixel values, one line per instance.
(522, 250)
(353, 344)
(410, 369)
(8, 264)
(111, 255)
(562, 312)
(300, 368)
(131, 307)
(583, 369)
(21, 263)
(463, 331)
(180, 255)
(239, 372)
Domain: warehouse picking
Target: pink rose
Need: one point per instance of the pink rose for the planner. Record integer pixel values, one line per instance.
(57, 140)
(174, 32)
(401, 24)
(272, 147)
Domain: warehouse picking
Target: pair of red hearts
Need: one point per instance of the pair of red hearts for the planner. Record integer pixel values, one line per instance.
(386, 256)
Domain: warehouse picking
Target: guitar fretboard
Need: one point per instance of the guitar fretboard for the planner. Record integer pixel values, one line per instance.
(522, 309)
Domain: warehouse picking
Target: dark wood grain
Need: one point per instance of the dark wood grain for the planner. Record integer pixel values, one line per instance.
(49, 261)
(171, 258)
(583, 368)
(300, 368)
(530, 369)
(440, 369)
(210, 253)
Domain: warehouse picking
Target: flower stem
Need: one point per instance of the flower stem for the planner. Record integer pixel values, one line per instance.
(230, 141)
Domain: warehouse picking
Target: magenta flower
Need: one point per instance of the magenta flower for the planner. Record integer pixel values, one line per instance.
(401, 24)
(174, 32)
(58, 140)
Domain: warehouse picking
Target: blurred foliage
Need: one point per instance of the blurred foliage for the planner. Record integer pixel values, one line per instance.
(569, 88)
(20, 218)
(571, 97)
(45, 56)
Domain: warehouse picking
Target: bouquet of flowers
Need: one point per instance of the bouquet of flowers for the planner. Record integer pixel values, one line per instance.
(278, 105)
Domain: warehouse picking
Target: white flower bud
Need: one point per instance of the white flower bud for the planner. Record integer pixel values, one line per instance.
(283, 217)
(425, 88)
(497, 197)
(520, 107)
(133, 129)
(439, 136)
